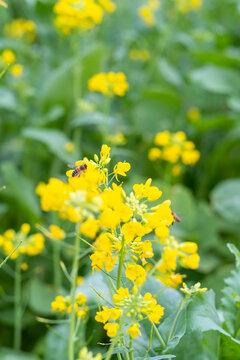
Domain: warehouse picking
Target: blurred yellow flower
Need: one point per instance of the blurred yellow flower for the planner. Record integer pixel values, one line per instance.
(109, 83)
(134, 331)
(21, 28)
(69, 146)
(17, 70)
(8, 56)
(193, 114)
(121, 168)
(2, 3)
(141, 55)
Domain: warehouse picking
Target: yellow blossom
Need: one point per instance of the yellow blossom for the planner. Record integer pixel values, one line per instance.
(162, 138)
(17, 70)
(90, 228)
(8, 56)
(121, 168)
(109, 83)
(69, 146)
(112, 329)
(154, 154)
(21, 28)
(136, 273)
(2, 3)
(193, 114)
(25, 228)
(56, 232)
(122, 294)
(134, 331)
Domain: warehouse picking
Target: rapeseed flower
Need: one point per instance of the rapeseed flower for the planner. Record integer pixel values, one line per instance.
(175, 149)
(62, 305)
(21, 29)
(109, 83)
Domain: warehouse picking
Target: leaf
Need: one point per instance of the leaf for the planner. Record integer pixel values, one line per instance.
(217, 79)
(7, 99)
(92, 118)
(158, 357)
(225, 198)
(235, 252)
(11, 354)
(54, 139)
(40, 297)
(59, 88)
(234, 103)
(21, 191)
(169, 73)
(56, 347)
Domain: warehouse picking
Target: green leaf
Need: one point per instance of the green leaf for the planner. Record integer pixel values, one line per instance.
(40, 297)
(59, 88)
(11, 354)
(225, 199)
(7, 99)
(92, 118)
(169, 73)
(235, 252)
(217, 79)
(54, 139)
(56, 343)
(21, 191)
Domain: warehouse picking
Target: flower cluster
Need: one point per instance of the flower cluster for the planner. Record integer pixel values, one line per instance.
(8, 57)
(29, 244)
(21, 29)
(84, 354)
(146, 12)
(175, 149)
(140, 55)
(185, 6)
(80, 14)
(128, 311)
(62, 305)
(109, 83)
(174, 252)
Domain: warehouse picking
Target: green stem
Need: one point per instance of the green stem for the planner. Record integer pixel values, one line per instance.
(73, 296)
(130, 347)
(17, 305)
(6, 258)
(120, 265)
(119, 356)
(181, 306)
(56, 266)
(150, 343)
(158, 335)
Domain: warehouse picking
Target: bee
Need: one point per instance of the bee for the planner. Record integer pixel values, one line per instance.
(79, 170)
(176, 218)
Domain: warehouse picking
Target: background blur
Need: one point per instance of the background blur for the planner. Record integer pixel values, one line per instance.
(183, 72)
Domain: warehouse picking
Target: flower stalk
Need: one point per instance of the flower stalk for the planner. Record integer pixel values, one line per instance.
(17, 305)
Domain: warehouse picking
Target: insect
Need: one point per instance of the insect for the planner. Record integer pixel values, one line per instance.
(176, 218)
(79, 169)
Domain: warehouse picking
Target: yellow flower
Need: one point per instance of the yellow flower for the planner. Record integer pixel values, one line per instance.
(156, 313)
(90, 228)
(25, 228)
(141, 55)
(8, 56)
(188, 247)
(154, 154)
(121, 168)
(107, 5)
(176, 170)
(136, 273)
(132, 229)
(193, 114)
(190, 157)
(162, 138)
(146, 13)
(17, 70)
(105, 153)
(122, 294)
(2, 3)
(21, 28)
(134, 331)
(103, 316)
(171, 153)
(56, 232)
(110, 219)
(69, 146)
(109, 83)
(190, 262)
(24, 266)
(112, 329)
(115, 313)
